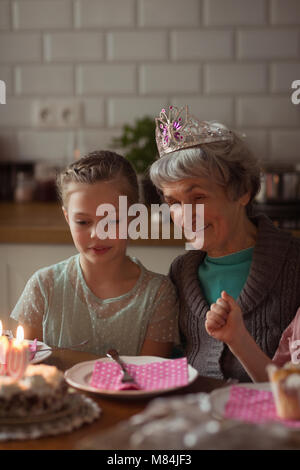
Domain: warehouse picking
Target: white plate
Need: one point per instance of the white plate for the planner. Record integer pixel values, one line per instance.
(220, 396)
(40, 355)
(79, 376)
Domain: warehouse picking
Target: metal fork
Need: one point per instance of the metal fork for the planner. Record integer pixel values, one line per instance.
(114, 355)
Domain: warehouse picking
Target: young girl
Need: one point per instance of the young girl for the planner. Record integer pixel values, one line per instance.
(224, 321)
(101, 294)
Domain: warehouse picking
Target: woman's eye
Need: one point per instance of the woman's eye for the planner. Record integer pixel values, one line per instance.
(171, 203)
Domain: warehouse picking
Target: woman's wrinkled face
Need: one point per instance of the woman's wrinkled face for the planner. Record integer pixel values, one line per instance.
(221, 214)
(81, 215)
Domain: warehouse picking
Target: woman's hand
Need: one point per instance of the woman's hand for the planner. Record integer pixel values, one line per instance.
(224, 320)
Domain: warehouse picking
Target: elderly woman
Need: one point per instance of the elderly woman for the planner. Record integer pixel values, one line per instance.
(246, 255)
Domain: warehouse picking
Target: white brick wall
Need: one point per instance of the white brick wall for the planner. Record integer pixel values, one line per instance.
(137, 45)
(73, 47)
(229, 60)
(234, 12)
(285, 12)
(268, 44)
(235, 78)
(34, 14)
(44, 79)
(168, 13)
(4, 14)
(104, 13)
(201, 45)
(169, 78)
(105, 79)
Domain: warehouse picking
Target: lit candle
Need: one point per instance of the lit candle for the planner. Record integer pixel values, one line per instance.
(18, 355)
(4, 346)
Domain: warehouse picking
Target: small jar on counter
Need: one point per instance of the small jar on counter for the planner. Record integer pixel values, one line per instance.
(25, 187)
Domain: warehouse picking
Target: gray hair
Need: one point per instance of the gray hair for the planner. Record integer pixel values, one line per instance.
(228, 163)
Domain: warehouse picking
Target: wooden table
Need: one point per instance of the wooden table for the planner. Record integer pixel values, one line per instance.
(113, 409)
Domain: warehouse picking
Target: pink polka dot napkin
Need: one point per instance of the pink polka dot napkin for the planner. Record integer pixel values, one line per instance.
(150, 376)
(254, 406)
(33, 349)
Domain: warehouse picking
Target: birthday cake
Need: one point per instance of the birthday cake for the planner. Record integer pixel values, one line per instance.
(41, 390)
(285, 385)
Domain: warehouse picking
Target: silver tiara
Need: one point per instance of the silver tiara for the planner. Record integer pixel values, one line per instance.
(176, 129)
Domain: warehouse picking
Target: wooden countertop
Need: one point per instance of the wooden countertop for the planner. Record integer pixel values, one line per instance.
(37, 222)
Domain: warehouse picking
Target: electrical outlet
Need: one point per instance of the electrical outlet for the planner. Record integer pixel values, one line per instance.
(57, 113)
(44, 113)
(68, 113)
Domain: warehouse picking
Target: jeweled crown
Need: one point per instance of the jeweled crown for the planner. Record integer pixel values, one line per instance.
(176, 129)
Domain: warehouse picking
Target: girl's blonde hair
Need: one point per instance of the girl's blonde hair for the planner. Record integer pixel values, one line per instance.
(100, 165)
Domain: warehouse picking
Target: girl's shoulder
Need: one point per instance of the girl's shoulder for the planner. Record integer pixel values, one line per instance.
(147, 272)
(55, 271)
(153, 281)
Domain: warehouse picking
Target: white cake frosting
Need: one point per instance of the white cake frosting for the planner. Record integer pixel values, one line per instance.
(42, 389)
(39, 379)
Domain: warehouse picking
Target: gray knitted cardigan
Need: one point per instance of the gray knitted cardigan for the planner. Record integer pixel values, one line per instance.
(269, 301)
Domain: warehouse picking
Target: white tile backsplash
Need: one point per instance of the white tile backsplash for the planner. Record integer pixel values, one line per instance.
(285, 12)
(44, 80)
(285, 145)
(46, 14)
(235, 78)
(168, 13)
(17, 48)
(234, 12)
(56, 146)
(268, 44)
(169, 78)
(229, 60)
(202, 45)
(73, 46)
(104, 13)
(123, 110)
(137, 45)
(106, 79)
(267, 111)
(4, 14)
(283, 74)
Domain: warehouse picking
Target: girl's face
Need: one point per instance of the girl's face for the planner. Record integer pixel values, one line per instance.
(83, 201)
(222, 216)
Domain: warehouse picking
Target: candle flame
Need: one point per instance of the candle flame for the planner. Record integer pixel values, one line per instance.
(20, 333)
(1, 328)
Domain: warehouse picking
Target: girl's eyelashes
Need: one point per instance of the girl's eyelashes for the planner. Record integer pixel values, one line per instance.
(87, 222)
(82, 222)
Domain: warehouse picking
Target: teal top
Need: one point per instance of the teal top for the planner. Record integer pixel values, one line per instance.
(227, 273)
(58, 299)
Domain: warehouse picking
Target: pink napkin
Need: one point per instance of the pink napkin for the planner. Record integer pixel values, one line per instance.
(254, 406)
(151, 376)
(33, 349)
